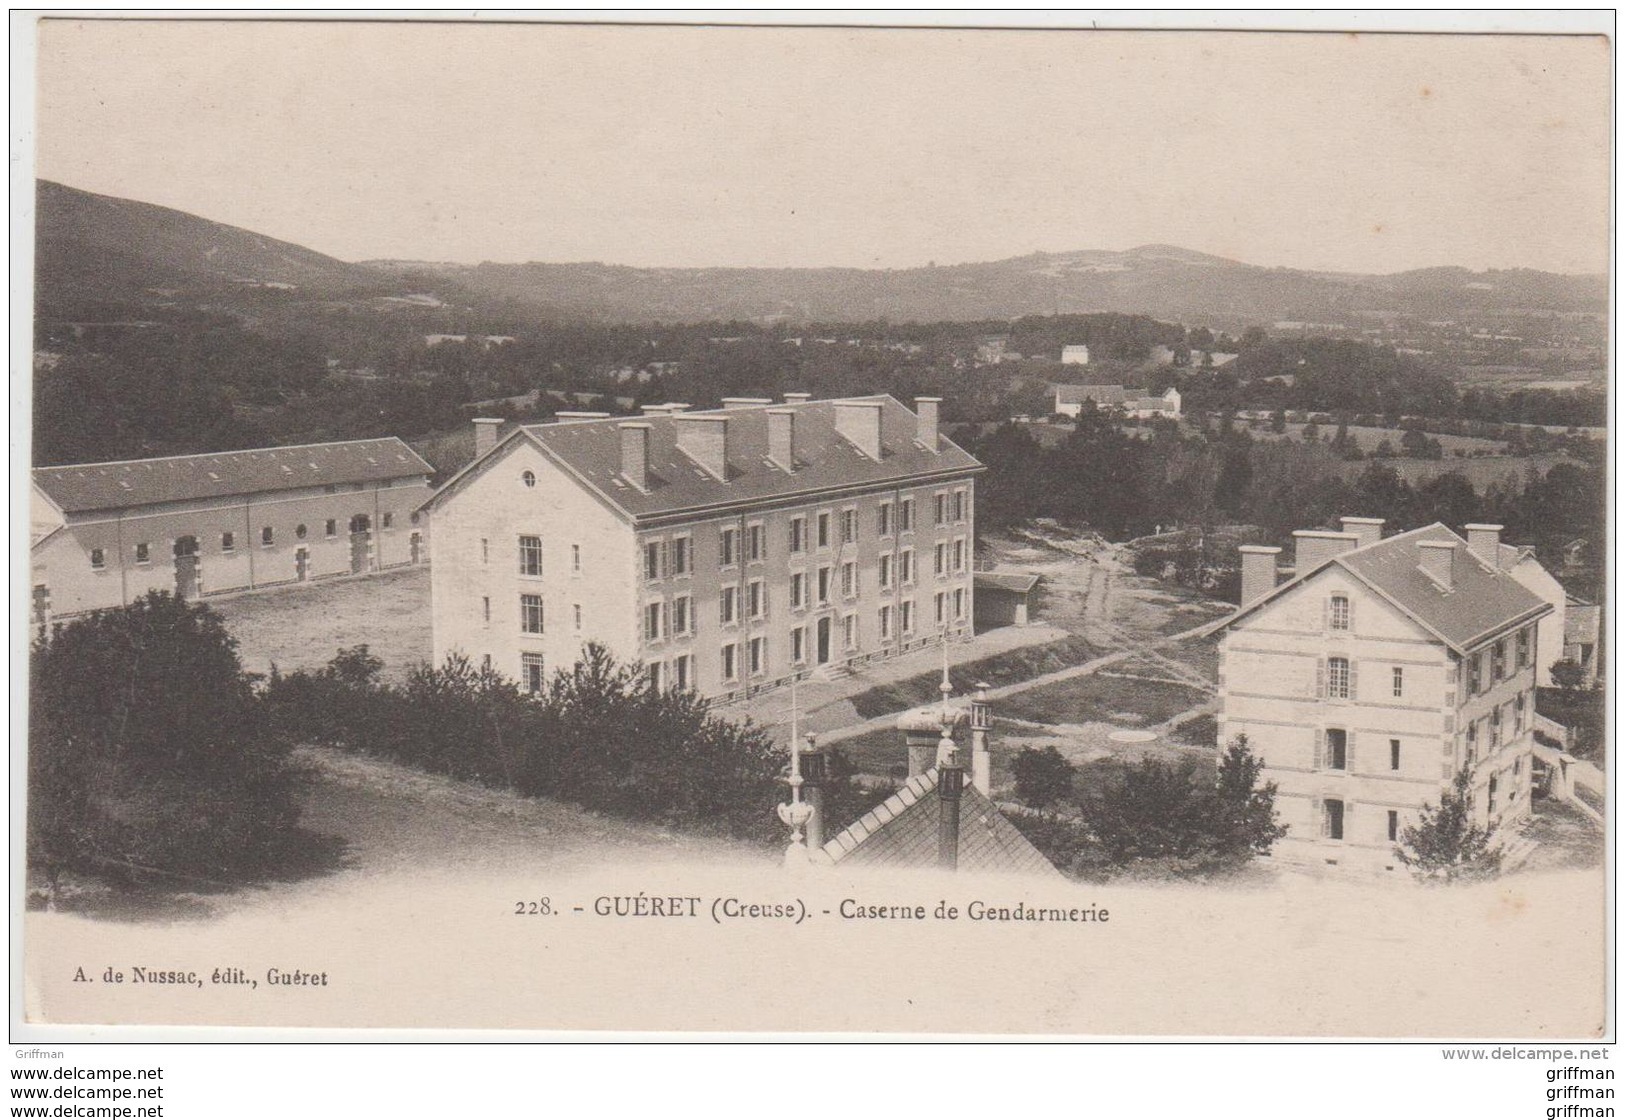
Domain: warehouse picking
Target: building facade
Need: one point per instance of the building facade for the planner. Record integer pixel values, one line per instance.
(727, 550)
(1373, 675)
(1135, 403)
(104, 534)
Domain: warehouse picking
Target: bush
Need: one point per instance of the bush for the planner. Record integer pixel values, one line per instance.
(598, 735)
(1445, 845)
(1043, 777)
(149, 752)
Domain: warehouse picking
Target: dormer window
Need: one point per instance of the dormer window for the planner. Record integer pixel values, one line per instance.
(1338, 613)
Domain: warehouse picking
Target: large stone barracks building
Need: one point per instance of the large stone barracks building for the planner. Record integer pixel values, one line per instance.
(104, 534)
(727, 550)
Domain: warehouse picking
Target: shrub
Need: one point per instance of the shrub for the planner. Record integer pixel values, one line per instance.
(149, 751)
(1445, 845)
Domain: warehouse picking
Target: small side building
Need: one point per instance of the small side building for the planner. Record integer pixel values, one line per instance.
(1005, 599)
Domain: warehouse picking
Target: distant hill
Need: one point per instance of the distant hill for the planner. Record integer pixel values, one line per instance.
(1157, 280)
(99, 254)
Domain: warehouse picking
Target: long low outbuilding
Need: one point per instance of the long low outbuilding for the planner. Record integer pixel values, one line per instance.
(104, 534)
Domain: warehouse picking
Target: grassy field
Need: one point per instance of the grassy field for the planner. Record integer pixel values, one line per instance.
(302, 627)
(1000, 669)
(1101, 699)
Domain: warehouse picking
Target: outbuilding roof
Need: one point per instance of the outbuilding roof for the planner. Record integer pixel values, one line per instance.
(902, 832)
(88, 487)
(824, 459)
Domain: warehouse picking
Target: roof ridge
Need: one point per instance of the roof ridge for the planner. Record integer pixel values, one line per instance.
(234, 451)
(857, 832)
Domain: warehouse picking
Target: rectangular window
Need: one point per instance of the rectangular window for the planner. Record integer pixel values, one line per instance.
(798, 590)
(755, 543)
(681, 672)
(959, 555)
(655, 671)
(849, 579)
(228, 542)
(1337, 749)
(907, 616)
(530, 666)
(756, 598)
(942, 509)
(1498, 661)
(905, 565)
(1472, 742)
(679, 614)
(728, 603)
(267, 535)
(1333, 821)
(485, 608)
(1523, 647)
(98, 558)
(1520, 712)
(1475, 676)
(959, 604)
(1495, 728)
(798, 645)
(1337, 678)
(485, 550)
(576, 616)
(332, 528)
(652, 551)
(905, 516)
(942, 558)
(941, 601)
(823, 585)
(1393, 824)
(652, 615)
(389, 520)
(730, 662)
(758, 656)
(885, 573)
(1393, 754)
(849, 526)
(530, 614)
(575, 559)
(142, 553)
(530, 556)
(823, 530)
(883, 519)
(1399, 681)
(885, 624)
(959, 505)
(679, 555)
(798, 534)
(729, 550)
(1339, 613)
(849, 631)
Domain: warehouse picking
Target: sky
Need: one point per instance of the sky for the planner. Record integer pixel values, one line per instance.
(870, 148)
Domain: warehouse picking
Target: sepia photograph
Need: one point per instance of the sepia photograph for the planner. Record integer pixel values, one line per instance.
(773, 531)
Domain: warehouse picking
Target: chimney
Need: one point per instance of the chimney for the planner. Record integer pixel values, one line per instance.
(797, 398)
(1484, 542)
(1368, 529)
(981, 757)
(859, 423)
(781, 438)
(731, 403)
(703, 437)
(926, 409)
(950, 788)
(577, 417)
(1313, 547)
(922, 732)
(486, 431)
(1257, 572)
(1438, 562)
(635, 453)
(814, 769)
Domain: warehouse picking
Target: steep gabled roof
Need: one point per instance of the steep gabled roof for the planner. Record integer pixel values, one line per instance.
(902, 832)
(590, 450)
(87, 487)
(1482, 602)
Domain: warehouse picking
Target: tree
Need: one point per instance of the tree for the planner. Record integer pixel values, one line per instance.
(148, 749)
(1244, 819)
(1445, 845)
(1278, 421)
(1043, 777)
(1568, 674)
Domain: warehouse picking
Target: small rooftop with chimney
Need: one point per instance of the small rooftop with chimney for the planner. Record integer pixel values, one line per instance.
(1459, 589)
